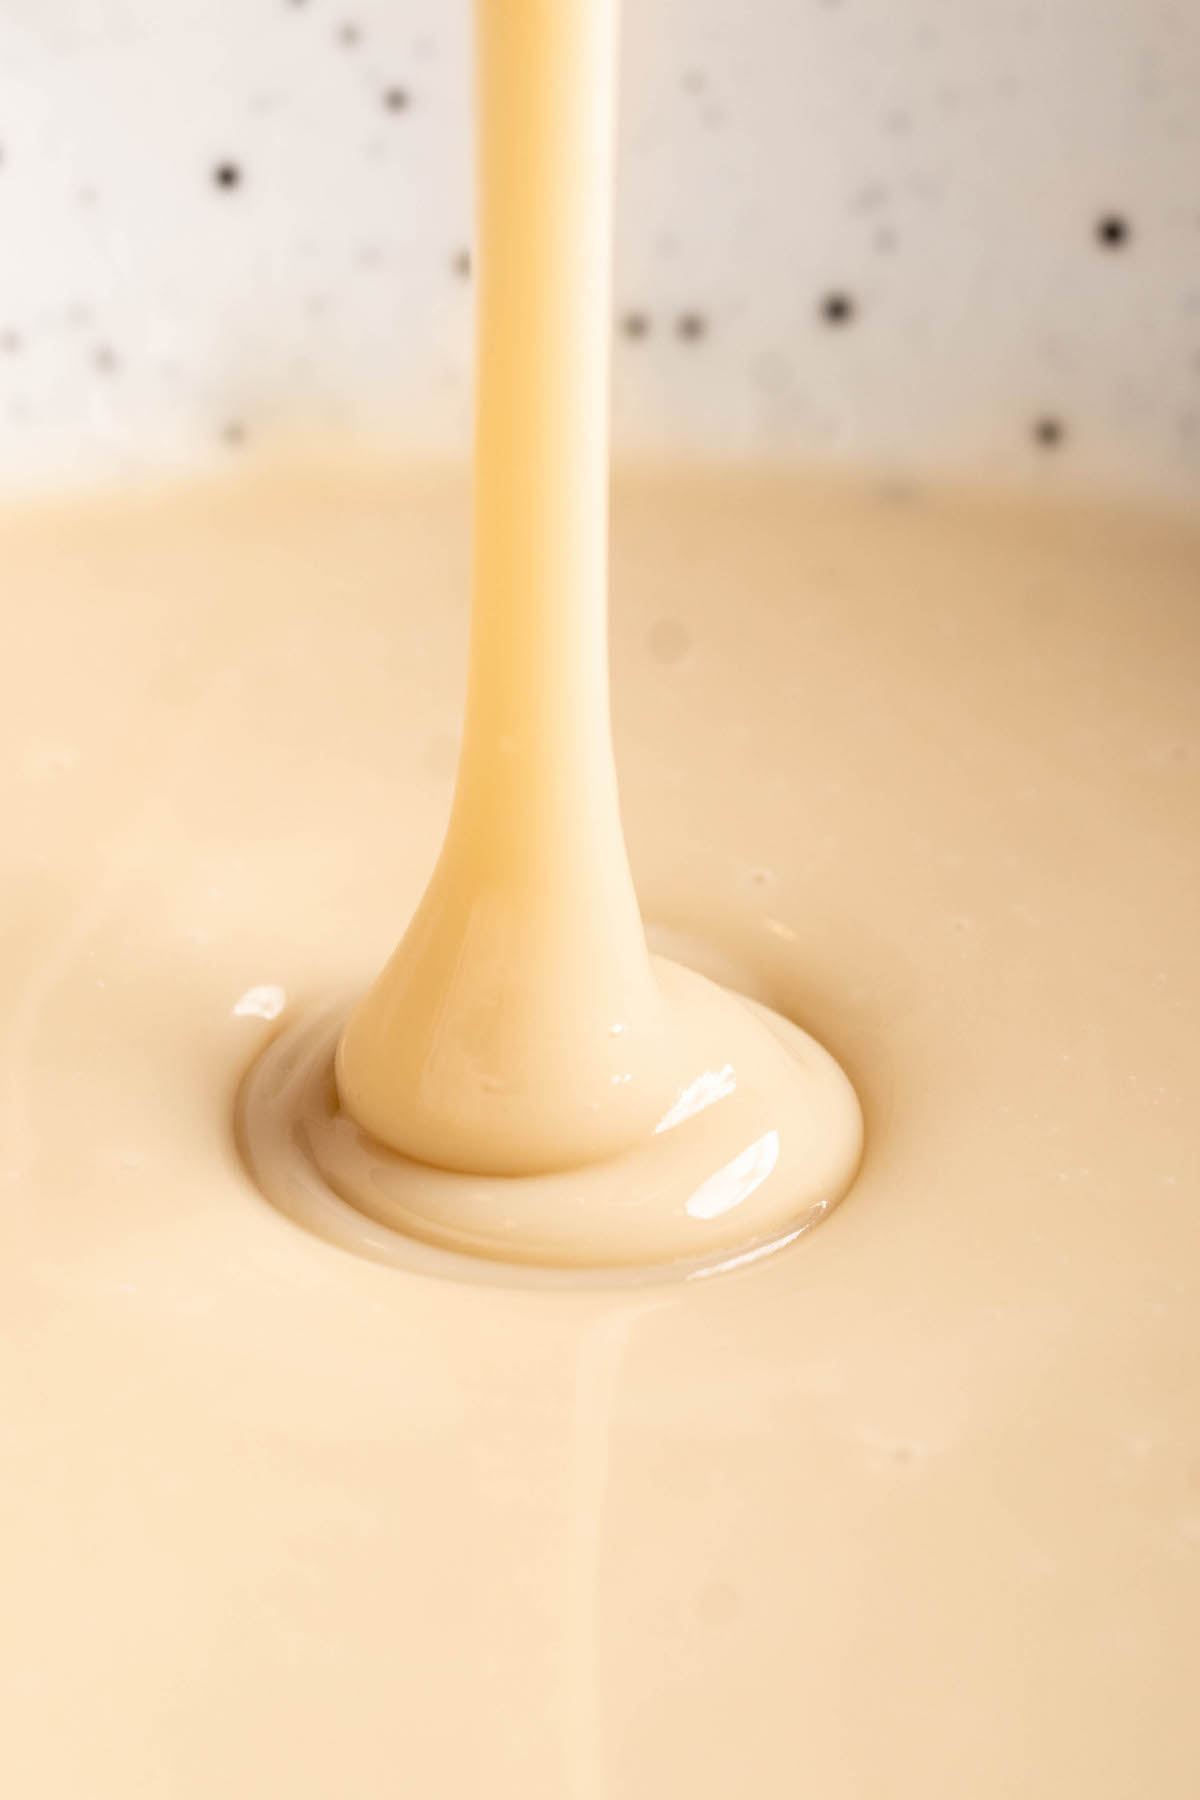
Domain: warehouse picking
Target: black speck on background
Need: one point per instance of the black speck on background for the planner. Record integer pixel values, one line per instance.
(838, 308)
(1113, 231)
(1048, 432)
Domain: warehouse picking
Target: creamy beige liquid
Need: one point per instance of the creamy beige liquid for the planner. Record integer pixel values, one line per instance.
(639, 1114)
(910, 1509)
(519, 1026)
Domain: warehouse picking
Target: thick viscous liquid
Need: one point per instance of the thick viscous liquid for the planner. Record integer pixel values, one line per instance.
(911, 1509)
(522, 1082)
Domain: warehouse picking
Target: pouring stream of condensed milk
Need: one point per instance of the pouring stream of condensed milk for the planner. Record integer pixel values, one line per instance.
(519, 1026)
(636, 1111)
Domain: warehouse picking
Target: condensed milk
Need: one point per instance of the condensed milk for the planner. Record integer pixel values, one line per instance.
(909, 1509)
(910, 1505)
(635, 1115)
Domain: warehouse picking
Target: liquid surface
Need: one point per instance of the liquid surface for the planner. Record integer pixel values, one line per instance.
(911, 1509)
(756, 1150)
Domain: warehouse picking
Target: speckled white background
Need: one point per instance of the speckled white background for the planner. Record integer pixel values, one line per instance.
(861, 228)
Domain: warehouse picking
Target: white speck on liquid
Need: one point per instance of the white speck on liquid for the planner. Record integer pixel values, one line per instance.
(266, 1002)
